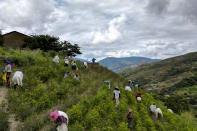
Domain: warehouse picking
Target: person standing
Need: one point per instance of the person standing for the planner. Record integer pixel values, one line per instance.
(74, 65)
(85, 65)
(108, 83)
(56, 59)
(129, 119)
(8, 70)
(66, 61)
(117, 95)
(93, 60)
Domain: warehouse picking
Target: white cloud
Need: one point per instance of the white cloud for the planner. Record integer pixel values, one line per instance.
(151, 28)
(112, 34)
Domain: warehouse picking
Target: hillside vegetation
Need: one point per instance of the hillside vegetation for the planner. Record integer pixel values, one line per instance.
(173, 76)
(88, 102)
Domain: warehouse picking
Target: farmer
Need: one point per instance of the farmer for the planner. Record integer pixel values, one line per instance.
(8, 70)
(56, 59)
(108, 83)
(132, 84)
(61, 119)
(137, 85)
(17, 79)
(85, 65)
(66, 74)
(129, 119)
(156, 111)
(127, 88)
(117, 95)
(138, 97)
(76, 76)
(66, 61)
(93, 60)
(74, 65)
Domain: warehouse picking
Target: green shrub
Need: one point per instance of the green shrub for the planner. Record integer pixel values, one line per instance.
(92, 118)
(4, 124)
(75, 114)
(123, 127)
(77, 127)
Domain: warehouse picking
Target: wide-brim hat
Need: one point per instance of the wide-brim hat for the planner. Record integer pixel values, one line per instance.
(54, 115)
(130, 110)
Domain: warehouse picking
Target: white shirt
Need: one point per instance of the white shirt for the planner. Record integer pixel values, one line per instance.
(61, 113)
(56, 59)
(17, 78)
(127, 88)
(8, 68)
(66, 61)
(116, 92)
(85, 63)
(153, 108)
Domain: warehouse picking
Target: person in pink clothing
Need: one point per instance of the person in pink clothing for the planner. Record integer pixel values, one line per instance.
(138, 97)
(61, 119)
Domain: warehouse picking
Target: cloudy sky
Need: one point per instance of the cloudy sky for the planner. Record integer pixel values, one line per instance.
(103, 28)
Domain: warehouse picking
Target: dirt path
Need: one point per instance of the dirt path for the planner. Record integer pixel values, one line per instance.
(3, 94)
(3, 98)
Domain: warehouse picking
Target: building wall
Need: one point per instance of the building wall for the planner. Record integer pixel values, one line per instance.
(14, 39)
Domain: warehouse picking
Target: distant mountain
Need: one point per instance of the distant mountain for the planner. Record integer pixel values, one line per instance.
(118, 64)
(82, 60)
(177, 75)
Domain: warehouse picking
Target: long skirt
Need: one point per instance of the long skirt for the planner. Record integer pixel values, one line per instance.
(62, 127)
(117, 101)
(74, 67)
(8, 78)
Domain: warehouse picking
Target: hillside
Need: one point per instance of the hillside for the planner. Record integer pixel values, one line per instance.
(118, 64)
(88, 102)
(176, 75)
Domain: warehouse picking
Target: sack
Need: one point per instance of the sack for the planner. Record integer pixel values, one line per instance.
(4, 77)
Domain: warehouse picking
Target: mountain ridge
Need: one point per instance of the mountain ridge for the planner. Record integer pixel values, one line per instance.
(172, 76)
(118, 64)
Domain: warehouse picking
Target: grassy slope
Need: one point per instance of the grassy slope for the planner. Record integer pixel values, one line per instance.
(170, 70)
(173, 76)
(88, 102)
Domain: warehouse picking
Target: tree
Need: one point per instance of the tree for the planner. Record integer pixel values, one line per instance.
(47, 42)
(1, 38)
(43, 42)
(69, 49)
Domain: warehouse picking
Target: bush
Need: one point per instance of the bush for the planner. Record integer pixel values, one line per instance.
(4, 124)
(75, 114)
(92, 118)
(77, 127)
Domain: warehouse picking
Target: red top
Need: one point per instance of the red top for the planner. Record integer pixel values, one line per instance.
(138, 95)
